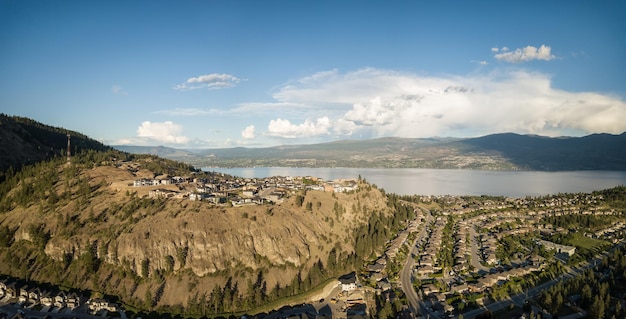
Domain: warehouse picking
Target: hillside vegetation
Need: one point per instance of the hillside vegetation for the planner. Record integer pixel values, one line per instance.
(83, 225)
(24, 141)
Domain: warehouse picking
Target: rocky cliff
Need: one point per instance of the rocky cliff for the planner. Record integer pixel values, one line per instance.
(100, 222)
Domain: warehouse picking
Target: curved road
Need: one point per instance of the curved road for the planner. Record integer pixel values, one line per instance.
(475, 258)
(406, 275)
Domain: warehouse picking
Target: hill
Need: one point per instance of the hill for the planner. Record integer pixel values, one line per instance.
(505, 151)
(85, 225)
(24, 141)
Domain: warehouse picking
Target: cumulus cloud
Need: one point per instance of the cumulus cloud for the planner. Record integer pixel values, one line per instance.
(285, 129)
(163, 132)
(379, 111)
(211, 81)
(389, 103)
(248, 133)
(525, 54)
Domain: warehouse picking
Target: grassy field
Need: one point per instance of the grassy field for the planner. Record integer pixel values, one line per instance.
(581, 241)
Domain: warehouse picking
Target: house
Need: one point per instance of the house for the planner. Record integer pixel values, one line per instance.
(73, 300)
(23, 297)
(46, 299)
(34, 294)
(383, 285)
(198, 196)
(348, 282)
(425, 270)
(462, 288)
(376, 267)
(96, 305)
(59, 300)
(439, 296)
(477, 286)
(428, 289)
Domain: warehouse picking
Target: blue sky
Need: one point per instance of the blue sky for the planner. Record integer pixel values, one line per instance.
(208, 74)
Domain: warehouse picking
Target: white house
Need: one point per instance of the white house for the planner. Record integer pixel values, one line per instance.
(348, 282)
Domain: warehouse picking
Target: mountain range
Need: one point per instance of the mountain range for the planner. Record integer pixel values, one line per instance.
(25, 141)
(506, 151)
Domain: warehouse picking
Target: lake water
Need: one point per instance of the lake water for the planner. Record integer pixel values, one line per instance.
(409, 181)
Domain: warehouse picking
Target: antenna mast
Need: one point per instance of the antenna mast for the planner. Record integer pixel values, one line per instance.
(69, 155)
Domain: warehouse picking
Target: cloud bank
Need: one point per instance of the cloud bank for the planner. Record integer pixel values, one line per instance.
(374, 103)
(284, 128)
(213, 81)
(525, 54)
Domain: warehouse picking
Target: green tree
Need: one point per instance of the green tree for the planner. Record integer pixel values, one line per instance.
(145, 268)
(597, 308)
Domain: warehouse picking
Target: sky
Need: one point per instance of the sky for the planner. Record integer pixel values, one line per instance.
(219, 74)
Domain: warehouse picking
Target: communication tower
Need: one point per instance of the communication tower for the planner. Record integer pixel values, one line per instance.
(69, 155)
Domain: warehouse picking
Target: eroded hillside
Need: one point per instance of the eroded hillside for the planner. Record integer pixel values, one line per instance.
(85, 225)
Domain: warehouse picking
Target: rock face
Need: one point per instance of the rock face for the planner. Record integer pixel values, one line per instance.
(203, 248)
(207, 239)
(119, 230)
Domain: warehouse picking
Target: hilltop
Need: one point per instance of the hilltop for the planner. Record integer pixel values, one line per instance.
(124, 225)
(506, 151)
(24, 141)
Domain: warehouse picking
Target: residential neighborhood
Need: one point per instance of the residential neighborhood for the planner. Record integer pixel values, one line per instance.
(456, 256)
(19, 297)
(222, 189)
(479, 271)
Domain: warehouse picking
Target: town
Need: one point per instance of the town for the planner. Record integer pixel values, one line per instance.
(471, 257)
(221, 189)
(459, 257)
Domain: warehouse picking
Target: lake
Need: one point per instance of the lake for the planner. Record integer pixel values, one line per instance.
(409, 181)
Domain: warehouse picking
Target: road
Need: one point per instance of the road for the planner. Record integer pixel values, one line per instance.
(475, 259)
(407, 282)
(406, 275)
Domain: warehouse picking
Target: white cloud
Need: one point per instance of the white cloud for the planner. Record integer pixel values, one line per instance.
(211, 81)
(379, 111)
(248, 133)
(374, 102)
(285, 129)
(330, 89)
(117, 90)
(526, 54)
(495, 50)
(162, 132)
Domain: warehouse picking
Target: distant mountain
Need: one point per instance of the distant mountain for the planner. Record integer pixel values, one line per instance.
(24, 141)
(592, 152)
(507, 151)
(162, 151)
